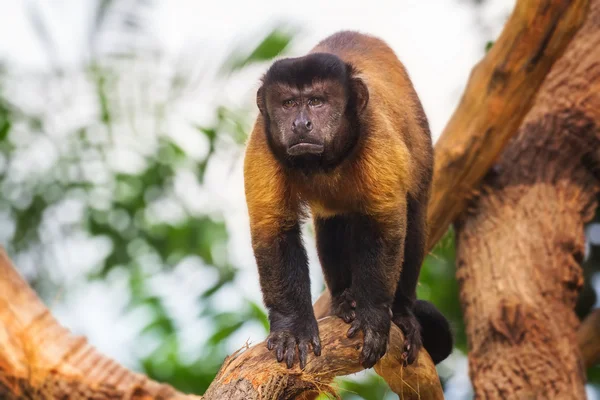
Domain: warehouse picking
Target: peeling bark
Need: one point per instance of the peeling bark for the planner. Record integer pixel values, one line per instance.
(521, 242)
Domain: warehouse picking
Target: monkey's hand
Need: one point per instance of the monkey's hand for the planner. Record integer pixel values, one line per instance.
(289, 332)
(343, 306)
(411, 328)
(375, 322)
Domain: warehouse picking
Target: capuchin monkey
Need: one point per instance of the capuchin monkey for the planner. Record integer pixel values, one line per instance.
(341, 133)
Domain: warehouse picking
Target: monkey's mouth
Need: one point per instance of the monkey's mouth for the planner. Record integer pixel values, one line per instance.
(305, 148)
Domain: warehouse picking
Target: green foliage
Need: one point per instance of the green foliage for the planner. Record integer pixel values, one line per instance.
(272, 45)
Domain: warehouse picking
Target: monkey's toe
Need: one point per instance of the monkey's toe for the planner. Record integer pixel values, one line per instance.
(344, 306)
(412, 336)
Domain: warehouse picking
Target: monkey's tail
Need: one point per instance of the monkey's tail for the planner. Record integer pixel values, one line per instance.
(435, 330)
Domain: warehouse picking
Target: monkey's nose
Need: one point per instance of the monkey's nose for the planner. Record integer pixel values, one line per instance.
(302, 126)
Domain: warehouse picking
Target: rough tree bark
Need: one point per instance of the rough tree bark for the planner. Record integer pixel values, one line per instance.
(496, 99)
(521, 242)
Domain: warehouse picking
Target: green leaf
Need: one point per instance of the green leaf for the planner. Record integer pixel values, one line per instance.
(270, 47)
(224, 332)
(5, 126)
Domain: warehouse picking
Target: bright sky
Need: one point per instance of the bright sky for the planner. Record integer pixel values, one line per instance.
(439, 41)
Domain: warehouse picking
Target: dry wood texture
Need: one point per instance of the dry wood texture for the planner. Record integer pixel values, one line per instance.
(255, 374)
(521, 244)
(37, 354)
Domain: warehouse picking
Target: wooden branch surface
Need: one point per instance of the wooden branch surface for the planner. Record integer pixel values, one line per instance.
(37, 353)
(255, 374)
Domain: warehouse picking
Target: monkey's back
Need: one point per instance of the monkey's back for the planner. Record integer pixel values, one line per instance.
(393, 101)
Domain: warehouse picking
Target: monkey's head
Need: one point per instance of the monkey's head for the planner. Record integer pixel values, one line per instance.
(312, 107)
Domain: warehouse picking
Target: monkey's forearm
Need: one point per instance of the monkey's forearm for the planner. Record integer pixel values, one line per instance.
(284, 278)
(285, 283)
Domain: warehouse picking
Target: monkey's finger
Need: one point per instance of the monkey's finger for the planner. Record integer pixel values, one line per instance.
(290, 352)
(354, 328)
(302, 353)
(353, 304)
(270, 343)
(316, 345)
(279, 352)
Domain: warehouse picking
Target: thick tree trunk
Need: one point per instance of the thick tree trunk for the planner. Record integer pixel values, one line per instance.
(521, 243)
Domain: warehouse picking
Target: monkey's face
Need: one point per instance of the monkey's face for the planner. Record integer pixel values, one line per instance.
(311, 107)
(307, 122)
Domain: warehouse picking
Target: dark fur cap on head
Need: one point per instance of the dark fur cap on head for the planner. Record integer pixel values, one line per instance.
(303, 71)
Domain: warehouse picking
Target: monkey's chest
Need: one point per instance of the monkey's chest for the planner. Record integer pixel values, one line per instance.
(329, 201)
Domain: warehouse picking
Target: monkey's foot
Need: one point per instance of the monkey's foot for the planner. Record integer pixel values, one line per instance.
(412, 335)
(375, 323)
(300, 335)
(344, 306)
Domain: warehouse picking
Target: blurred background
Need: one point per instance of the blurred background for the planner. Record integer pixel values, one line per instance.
(122, 130)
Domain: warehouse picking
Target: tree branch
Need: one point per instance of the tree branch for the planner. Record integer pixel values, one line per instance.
(255, 374)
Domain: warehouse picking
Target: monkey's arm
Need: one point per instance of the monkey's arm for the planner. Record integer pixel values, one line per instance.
(281, 259)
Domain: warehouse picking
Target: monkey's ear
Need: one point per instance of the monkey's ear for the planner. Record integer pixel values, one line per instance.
(360, 93)
(260, 99)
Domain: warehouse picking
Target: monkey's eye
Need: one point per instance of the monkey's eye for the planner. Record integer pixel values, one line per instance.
(288, 103)
(315, 102)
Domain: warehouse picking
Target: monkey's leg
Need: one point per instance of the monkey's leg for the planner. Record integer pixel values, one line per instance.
(414, 252)
(376, 250)
(333, 238)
